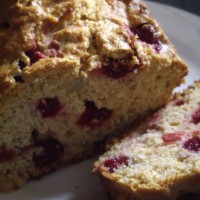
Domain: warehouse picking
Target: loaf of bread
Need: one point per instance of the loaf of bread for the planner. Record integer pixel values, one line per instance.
(161, 158)
(73, 73)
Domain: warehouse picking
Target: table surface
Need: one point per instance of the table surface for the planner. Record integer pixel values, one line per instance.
(189, 5)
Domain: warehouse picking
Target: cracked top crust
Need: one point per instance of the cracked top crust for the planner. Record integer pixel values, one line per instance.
(36, 34)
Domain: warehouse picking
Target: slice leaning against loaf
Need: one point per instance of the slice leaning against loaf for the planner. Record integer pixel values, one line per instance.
(161, 158)
(73, 73)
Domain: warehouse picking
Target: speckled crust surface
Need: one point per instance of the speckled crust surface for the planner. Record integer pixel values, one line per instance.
(160, 159)
(72, 73)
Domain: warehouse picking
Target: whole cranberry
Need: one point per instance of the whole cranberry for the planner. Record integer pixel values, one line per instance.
(193, 144)
(49, 107)
(196, 116)
(93, 116)
(114, 163)
(147, 33)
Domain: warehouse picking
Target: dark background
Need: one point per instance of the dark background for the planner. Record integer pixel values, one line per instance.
(188, 5)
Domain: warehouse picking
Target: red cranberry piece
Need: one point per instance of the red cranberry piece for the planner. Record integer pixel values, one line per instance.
(196, 116)
(93, 116)
(38, 55)
(51, 52)
(52, 152)
(148, 34)
(117, 68)
(49, 107)
(172, 137)
(7, 155)
(192, 144)
(179, 102)
(54, 44)
(34, 56)
(114, 163)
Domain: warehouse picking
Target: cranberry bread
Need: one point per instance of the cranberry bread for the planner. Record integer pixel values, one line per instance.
(73, 73)
(161, 158)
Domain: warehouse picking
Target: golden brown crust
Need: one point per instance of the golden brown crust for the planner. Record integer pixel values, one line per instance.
(177, 190)
(83, 23)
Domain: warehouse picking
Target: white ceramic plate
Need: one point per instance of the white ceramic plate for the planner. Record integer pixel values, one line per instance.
(76, 182)
(183, 29)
